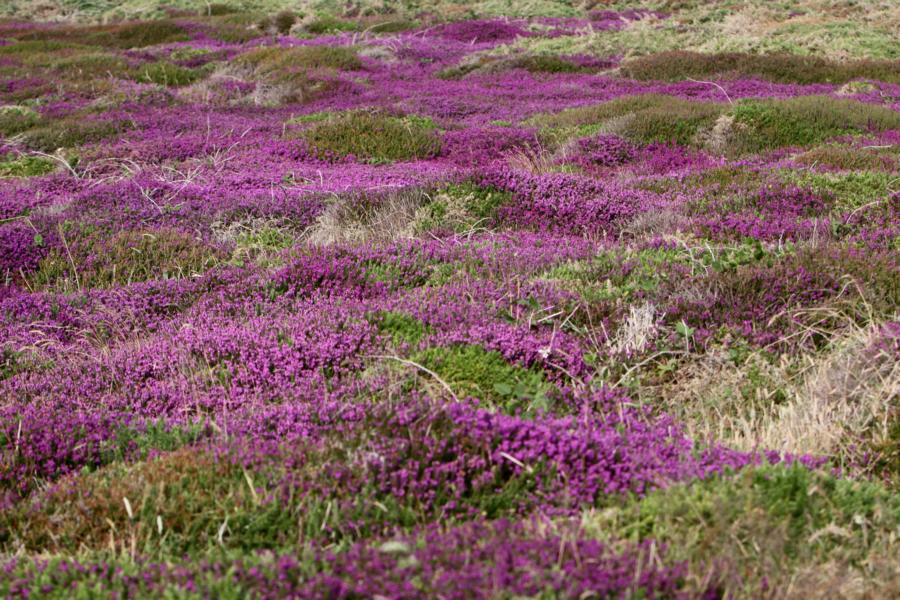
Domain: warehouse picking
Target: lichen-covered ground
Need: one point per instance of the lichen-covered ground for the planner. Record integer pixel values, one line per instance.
(454, 300)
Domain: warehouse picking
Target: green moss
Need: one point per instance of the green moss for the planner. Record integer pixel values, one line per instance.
(25, 166)
(473, 371)
(374, 136)
(761, 125)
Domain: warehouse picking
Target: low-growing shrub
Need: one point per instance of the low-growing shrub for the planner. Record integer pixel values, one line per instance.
(167, 74)
(839, 156)
(401, 328)
(781, 68)
(461, 207)
(136, 34)
(16, 119)
(129, 256)
(83, 66)
(72, 132)
(271, 60)
(374, 136)
(299, 74)
(761, 125)
(25, 166)
(141, 34)
(643, 118)
(391, 25)
(535, 63)
(328, 24)
(283, 21)
(850, 190)
(762, 526)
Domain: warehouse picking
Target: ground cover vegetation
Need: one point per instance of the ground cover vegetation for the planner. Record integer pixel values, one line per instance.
(544, 299)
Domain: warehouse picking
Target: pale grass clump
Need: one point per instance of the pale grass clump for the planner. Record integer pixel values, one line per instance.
(879, 577)
(387, 218)
(824, 403)
(845, 396)
(537, 161)
(641, 327)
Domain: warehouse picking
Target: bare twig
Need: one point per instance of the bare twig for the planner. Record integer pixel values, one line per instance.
(62, 236)
(721, 89)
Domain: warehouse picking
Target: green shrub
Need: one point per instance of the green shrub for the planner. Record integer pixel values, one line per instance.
(839, 156)
(761, 524)
(781, 68)
(547, 64)
(598, 113)
(271, 60)
(89, 65)
(761, 125)
(391, 26)
(887, 452)
(217, 9)
(140, 34)
(851, 189)
(167, 74)
(136, 34)
(72, 132)
(473, 371)
(374, 136)
(25, 166)
(642, 118)
(16, 119)
(298, 74)
(37, 46)
(283, 21)
(231, 28)
(538, 63)
(261, 245)
(328, 24)
(461, 207)
(680, 122)
(126, 257)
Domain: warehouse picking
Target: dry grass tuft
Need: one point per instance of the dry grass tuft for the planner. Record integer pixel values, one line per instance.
(830, 403)
(641, 327)
(356, 219)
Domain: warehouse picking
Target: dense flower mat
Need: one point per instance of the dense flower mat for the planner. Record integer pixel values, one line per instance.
(382, 304)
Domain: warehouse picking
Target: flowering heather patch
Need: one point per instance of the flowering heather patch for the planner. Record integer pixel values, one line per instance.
(532, 300)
